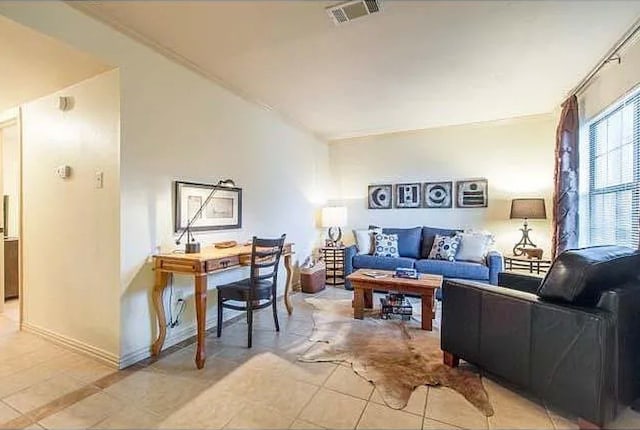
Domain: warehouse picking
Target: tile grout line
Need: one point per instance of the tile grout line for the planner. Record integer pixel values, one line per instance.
(424, 409)
(319, 387)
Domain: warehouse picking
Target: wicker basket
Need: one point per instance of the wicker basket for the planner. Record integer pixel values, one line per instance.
(312, 279)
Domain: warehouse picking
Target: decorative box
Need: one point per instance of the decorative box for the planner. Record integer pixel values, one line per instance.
(312, 279)
(408, 273)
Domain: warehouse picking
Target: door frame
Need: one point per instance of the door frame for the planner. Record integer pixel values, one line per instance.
(10, 121)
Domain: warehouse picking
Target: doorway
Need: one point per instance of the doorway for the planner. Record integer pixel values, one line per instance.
(10, 205)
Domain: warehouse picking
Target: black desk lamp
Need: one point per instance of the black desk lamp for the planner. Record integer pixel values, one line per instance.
(193, 247)
(526, 209)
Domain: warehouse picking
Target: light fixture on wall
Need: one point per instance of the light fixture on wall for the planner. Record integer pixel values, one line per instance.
(193, 247)
(333, 218)
(526, 209)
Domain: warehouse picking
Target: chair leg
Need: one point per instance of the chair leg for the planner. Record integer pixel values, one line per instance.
(275, 314)
(220, 310)
(250, 324)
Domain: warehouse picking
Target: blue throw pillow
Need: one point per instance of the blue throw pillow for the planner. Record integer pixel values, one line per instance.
(408, 240)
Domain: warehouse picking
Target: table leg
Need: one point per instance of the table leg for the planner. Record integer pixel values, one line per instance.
(201, 317)
(287, 287)
(450, 360)
(358, 303)
(368, 299)
(427, 311)
(158, 305)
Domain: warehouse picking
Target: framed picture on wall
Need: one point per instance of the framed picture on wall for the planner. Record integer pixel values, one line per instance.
(473, 193)
(408, 196)
(380, 196)
(224, 210)
(438, 194)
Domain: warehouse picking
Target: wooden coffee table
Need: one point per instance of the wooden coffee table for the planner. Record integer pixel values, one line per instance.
(363, 287)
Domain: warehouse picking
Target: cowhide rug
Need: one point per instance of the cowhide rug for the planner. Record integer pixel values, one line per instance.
(396, 357)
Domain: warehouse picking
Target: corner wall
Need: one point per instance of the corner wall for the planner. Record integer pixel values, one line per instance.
(71, 242)
(516, 156)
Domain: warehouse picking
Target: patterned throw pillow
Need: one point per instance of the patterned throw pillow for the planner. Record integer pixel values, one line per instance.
(386, 245)
(445, 248)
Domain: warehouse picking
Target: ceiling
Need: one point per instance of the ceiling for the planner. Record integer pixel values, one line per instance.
(33, 65)
(418, 64)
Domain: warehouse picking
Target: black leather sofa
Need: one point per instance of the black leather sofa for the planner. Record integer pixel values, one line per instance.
(573, 339)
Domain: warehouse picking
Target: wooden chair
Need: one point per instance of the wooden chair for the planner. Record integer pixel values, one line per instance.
(257, 291)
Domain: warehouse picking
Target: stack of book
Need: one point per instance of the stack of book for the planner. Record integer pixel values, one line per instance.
(395, 306)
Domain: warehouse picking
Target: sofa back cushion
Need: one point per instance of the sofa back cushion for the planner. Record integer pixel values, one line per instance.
(428, 236)
(579, 276)
(408, 240)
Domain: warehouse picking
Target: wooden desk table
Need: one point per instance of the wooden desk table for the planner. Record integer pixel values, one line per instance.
(210, 260)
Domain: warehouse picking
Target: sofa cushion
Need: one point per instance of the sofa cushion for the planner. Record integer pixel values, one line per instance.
(428, 236)
(579, 276)
(445, 248)
(473, 247)
(364, 240)
(381, 263)
(454, 269)
(408, 240)
(386, 245)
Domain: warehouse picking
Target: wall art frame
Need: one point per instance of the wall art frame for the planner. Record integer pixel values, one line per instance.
(380, 196)
(472, 193)
(223, 212)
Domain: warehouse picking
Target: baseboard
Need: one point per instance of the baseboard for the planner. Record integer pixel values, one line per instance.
(174, 337)
(103, 356)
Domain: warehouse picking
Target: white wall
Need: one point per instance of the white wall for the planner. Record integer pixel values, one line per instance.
(177, 125)
(71, 240)
(516, 156)
(11, 176)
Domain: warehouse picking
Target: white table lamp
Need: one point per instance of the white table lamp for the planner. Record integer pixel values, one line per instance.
(333, 218)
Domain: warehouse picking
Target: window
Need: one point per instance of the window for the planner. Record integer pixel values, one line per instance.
(614, 175)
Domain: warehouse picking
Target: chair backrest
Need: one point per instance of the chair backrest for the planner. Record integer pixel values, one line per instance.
(265, 257)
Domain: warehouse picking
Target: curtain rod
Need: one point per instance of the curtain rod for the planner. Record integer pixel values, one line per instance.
(630, 34)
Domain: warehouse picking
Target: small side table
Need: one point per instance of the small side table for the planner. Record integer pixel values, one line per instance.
(513, 262)
(334, 264)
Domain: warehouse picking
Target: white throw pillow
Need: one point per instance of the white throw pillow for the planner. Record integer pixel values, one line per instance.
(365, 241)
(473, 247)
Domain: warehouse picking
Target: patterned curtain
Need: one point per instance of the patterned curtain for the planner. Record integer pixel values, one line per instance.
(565, 199)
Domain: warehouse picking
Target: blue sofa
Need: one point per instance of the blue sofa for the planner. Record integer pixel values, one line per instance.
(414, 245)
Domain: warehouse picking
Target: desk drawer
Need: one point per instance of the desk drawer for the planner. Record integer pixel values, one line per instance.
(222, 263)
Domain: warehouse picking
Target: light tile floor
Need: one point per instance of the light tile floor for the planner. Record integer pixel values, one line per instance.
(45, 386)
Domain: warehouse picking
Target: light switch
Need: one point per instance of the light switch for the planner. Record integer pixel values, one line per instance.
(99, 179)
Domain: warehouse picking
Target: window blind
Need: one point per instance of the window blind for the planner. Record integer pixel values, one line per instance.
(614, 175)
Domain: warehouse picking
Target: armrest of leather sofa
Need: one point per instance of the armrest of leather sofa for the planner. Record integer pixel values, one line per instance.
(565, 355)
(495, 262)
(517, 281)
(623, 303)
(349, 253)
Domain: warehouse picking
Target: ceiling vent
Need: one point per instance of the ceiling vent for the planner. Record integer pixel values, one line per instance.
(350, 10)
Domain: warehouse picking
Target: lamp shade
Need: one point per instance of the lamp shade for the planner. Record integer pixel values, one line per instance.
(334, 216)
(528, 208)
